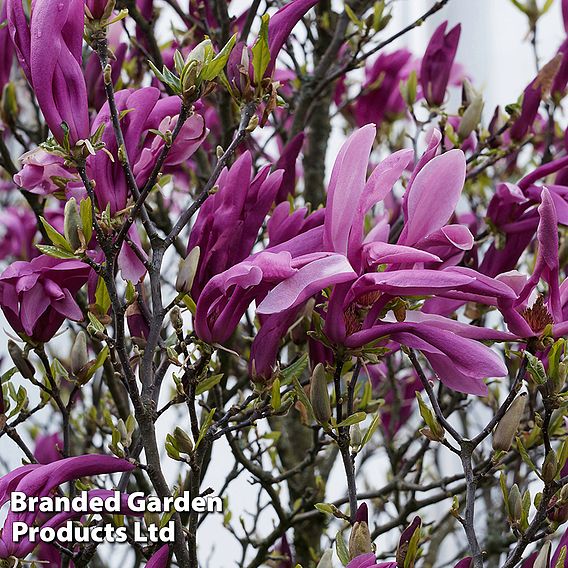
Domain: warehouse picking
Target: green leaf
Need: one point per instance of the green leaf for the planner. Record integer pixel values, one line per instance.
(371, 429)
(525, 456)
(217, 64)
(208, 383)
(57, 239)
(261, 51)
(301, 393)
(55, 252)
(560, 563)
(536, 368)
(275, 399)
(353, 419)
(205, 426)
(295, 370)
(341, 549)
(352, 16)
(86, 213)
(102, 298)
(97, 364)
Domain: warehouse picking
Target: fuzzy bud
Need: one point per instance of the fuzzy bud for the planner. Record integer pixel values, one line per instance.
(407, 550)
(515, 503)
(183, 441)
(360, 538)
(20, 360)
(176, 319)
(319, 395)
(187, 271)
(72, 224)
(549, 467)
(505, 431)
(79, 353)
(472, 114)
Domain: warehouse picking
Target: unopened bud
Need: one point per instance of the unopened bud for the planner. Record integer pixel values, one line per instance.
(471, 117)
(183, 441)
(549, 467)
(559, 379)
(20, 360)
(505, 431)
(79, 353)
(176, 319)
(72, 224)
(360, 539)
(407, 550)
(319, 395)
(187, 271)
(515, 503)
(356, 435)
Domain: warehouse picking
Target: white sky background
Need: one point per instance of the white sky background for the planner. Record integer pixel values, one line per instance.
(495, 52)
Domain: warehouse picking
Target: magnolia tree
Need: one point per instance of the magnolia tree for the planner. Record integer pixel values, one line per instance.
(376, 352)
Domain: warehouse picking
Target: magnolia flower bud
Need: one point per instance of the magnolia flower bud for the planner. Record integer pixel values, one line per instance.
(515, 503)
(183, 441)
(72, 224)
(408, 544)
(20, 360)
(543, 558)
(176, 319)
(549, 467)
(472, 114)
(79, 353)
(505, 431)
(187, 271)
(319, 395)
(360, 538)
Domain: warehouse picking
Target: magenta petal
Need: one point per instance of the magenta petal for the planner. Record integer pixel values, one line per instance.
(408, 282)
(310, 279)
(433, 196)
(280, 26)
(377, 187)
(346, 186)
(385, 253)
(160, 558)
(33, 305)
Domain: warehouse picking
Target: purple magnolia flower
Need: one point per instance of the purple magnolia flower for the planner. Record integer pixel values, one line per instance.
(36, 297)
(160, 558)
(283, 277)
(6, 48)
(381, 95)
(228, 222)
(465, 563)
(20, 228)
(437, 63)
(49, 50)
(48, 448)
(40, 480)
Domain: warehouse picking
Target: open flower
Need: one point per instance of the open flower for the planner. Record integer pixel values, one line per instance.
(39, 481)
(339, 256)
(36, 297)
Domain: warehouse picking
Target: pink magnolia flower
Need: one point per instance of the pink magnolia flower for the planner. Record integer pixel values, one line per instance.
(283, 277)
(37, 296)
(20, 228)
(40, 480)
(49, 50)
(228, 222)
